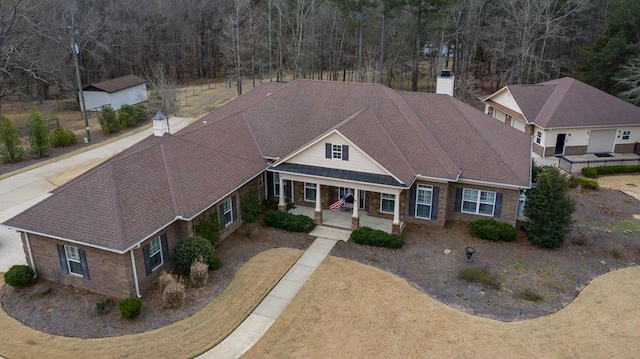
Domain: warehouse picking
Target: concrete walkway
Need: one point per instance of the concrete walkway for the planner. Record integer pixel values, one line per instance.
(22, 189)
(258, 322)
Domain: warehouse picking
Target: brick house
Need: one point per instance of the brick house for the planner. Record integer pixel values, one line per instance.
(408, 157)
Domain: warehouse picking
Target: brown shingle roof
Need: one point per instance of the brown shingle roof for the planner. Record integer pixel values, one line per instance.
(567, 102)
(117, 84)
(133, 195)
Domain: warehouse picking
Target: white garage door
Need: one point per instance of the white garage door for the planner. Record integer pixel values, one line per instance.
(601, 141)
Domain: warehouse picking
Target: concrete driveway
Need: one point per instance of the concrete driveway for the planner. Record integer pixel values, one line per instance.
(23, 189)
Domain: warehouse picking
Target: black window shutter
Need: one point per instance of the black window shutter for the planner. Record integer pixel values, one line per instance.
(270, 191)
(327, 150)
(288, 191)
(147, 259)
(498, 210)
(221, 212)
(83, 262)
(345, 152)
(458, 205)
(165, 247)
(63, 259)
(412, 200)
(434, 202)
(234, 210)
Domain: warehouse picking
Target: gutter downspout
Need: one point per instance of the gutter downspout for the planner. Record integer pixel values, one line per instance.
(135, 274)
(33, 264)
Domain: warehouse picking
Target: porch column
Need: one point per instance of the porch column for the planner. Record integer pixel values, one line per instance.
(281, 204)
(317, 215)
(395, 226)
(355, 217)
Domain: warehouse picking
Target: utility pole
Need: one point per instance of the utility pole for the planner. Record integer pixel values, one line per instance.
(75, 49)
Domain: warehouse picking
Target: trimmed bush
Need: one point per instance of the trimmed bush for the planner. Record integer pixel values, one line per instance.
(377, 238)
(589, 172)
(289, 222)
(479, 276)
(251, 208)
(173, 295)
(190, 249)
(104, 307)
(108, 121)
(61, 137)
(130, 308)
(199, 274)
(607, 170)
(588, 183)
(217, 263)
(209, 229)
(493, 230)
(19, 275)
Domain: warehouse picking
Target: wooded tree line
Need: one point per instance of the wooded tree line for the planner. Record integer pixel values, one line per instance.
(401, 43)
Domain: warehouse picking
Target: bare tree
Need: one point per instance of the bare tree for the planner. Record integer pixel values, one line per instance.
(164, 94)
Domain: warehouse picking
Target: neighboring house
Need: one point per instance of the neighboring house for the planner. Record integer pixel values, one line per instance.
(408, 157)
(126, 90)
(567, 117)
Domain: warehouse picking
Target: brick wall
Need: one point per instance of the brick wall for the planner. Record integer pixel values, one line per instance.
(442, 206)
(509, 204)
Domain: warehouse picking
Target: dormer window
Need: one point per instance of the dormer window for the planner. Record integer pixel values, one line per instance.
(336, 151)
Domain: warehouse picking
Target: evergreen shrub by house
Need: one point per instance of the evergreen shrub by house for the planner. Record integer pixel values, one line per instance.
(289, 222)
(130, 308)
(108, 121)
(377, 238)
(189, 250)
(493, 230)
(19, 275)
(61, 137)
(209, 229)
(590, 172)
(588, 183)
(251, 207)
(606, 170)
(216, 264)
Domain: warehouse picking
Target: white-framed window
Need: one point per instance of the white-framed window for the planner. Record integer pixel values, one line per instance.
(336, 152)
(387, 202)
(227, 212)
(424, 198)
(538, 137)
(155, 253)
(310, 191)
(626, 135)
(74, 263)
(276, 184)
(478, 202)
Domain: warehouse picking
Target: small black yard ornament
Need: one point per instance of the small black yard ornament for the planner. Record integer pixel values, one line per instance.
(470, 251)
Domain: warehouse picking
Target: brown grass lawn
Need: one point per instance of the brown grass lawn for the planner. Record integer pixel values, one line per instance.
(350, 310)
(623, 182)
(184, 339)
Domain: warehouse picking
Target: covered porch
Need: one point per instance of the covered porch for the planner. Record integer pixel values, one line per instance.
(342, 218)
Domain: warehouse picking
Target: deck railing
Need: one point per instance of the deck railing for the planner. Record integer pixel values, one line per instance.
(576, 166)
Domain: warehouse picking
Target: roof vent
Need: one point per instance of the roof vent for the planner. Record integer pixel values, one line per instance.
(445, 73)
(160, 124)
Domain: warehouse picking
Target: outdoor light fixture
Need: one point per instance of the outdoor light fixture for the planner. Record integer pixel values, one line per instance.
(470, 251)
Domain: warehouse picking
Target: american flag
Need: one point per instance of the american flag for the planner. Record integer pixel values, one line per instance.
(339, 202)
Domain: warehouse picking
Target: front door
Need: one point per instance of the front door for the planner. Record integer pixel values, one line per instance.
(560, 139)
(348, 203)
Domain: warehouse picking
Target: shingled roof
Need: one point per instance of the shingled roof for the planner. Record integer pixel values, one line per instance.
(131, 196)
(568, 102)
(117, 84)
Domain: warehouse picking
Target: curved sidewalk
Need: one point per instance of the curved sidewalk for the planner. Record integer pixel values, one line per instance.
(266, 313)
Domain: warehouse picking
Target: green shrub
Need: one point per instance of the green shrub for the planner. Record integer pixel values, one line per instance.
(129, 116)
(38, 133)
(216, 264)
(588, 183)
(104, 307)
(19, 275)
(270, 204)
(11, 149)
(289, 222)
(190, 249)
(589, 172)
(606, 170)
(572, 181)
(209, 229)
(479, 276)
(130, 308)
(61, 137)
(108, 121)
(251, 208)
(493, 230)
(377, 238)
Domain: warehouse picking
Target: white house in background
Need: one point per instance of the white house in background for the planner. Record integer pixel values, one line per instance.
(567, 117)
(126, 90)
